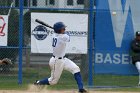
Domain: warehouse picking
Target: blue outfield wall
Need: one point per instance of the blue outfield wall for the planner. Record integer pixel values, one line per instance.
(116, 22)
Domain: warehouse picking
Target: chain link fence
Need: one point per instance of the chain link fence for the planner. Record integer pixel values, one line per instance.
(9, 73)
(110, 17)
(35, 66)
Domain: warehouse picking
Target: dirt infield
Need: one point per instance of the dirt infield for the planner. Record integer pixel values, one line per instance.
(34, 89)
(16, 91)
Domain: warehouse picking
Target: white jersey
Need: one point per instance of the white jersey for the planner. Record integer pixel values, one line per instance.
(59, 44)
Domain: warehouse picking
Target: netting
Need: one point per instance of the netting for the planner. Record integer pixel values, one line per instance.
(105, 18)
(114, 23)
(36, 66)
(9, 73)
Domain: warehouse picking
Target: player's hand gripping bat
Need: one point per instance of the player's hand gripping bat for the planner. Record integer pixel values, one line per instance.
(43, 23)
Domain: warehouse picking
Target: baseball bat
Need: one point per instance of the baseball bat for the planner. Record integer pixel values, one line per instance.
(43, 23)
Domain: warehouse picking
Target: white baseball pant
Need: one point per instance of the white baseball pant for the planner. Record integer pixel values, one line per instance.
(138, 68)
(58, 65)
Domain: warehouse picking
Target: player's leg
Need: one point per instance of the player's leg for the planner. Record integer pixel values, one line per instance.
(56, 72)
(75, 70)
(138, 68)
(56, 66)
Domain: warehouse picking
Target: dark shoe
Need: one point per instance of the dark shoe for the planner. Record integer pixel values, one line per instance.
(36, 82)
(82, 91)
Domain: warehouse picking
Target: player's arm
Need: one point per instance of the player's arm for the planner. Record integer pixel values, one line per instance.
(66, 38)
(135, 47)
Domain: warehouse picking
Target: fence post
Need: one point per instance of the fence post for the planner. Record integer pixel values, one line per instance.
(90, 50)
(20, 41)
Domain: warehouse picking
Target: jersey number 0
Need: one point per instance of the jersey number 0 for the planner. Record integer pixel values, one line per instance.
(54, 42)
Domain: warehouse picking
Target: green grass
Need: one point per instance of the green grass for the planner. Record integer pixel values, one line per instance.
(13, 86)
(115, 80)
(66, 81)
(121, 89)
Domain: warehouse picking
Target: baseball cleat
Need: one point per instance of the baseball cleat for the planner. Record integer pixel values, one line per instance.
(36, 82)
(82, 91)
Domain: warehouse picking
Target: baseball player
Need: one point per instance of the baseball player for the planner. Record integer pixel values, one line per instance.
(59, 62)
(135, 53)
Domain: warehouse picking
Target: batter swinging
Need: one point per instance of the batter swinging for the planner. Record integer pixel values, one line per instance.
(58, 62)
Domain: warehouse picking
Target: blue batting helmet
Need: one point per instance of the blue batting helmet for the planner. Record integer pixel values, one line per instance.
(58, 26)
